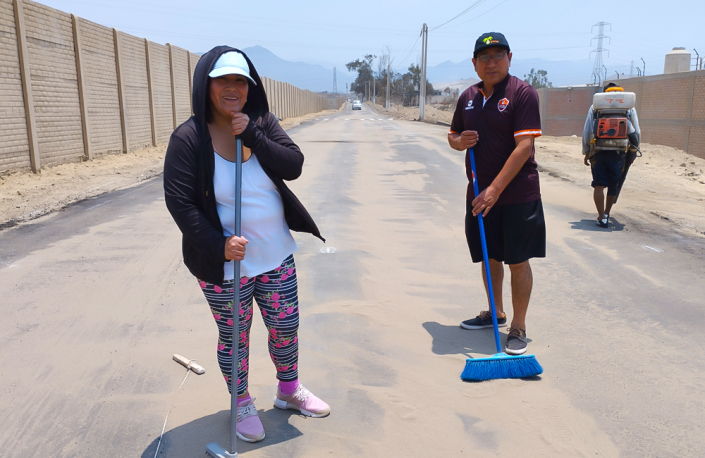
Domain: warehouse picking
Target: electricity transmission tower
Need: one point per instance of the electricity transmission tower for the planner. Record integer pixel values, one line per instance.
(597, 67)
(335, 81)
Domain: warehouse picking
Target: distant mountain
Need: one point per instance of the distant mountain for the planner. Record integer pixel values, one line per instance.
(460, 85)
(315, 78)
(565, 73)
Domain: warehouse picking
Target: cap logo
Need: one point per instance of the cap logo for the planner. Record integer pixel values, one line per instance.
(487, 40)
(502, 104)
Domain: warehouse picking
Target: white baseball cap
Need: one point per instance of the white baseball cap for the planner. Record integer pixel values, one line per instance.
(231, 63)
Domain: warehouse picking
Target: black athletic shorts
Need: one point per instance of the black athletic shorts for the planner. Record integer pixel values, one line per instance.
(515, 233)
(607, 168)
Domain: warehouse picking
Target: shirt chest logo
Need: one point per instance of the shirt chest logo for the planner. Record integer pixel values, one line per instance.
(469, 107)
(502, 104)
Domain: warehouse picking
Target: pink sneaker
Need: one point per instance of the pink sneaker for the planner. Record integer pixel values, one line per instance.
(302, 400)
(249, 427)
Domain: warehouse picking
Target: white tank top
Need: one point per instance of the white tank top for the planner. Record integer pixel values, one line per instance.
(263, 223)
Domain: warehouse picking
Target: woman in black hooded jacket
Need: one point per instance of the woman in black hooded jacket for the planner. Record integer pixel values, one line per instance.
(199, 187)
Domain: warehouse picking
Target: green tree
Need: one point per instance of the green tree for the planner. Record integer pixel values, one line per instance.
(538, 79)
(364, 73)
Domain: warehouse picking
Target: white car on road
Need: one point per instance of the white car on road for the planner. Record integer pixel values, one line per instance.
(357, 105)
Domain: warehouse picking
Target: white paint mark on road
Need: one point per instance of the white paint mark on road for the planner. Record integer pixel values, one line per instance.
(96, 206)
(121, 195)
(647, 247)
(328, 250)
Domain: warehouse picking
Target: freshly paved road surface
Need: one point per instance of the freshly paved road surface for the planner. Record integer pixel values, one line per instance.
(95, 300)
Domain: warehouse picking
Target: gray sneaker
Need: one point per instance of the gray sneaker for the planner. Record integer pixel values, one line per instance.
(483, 320)
(516, 342)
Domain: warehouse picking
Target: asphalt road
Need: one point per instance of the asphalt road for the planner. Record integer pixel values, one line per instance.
(95, 300)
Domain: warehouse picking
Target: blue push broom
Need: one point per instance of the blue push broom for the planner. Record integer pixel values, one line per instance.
(500, 365)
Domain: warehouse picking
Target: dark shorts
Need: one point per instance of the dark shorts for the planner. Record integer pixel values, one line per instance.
(607, 168)
(515, 233)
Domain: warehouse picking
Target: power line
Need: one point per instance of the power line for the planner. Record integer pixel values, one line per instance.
(474, 5)
(409, 53)
(479, 15)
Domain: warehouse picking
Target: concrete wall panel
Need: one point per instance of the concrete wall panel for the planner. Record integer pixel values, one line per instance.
(52, 65)
(14, 148)
(101, 87)
(134, 67)
(181, 77)
(161, 79)
(665, 99)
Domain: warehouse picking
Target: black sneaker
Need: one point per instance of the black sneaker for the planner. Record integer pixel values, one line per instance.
(516, 342)
(604, 222)
(483, 320)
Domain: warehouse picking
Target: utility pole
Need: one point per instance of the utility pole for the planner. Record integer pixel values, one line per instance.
(388, 85)
(374, 90)
(422, 83)
(335, 81)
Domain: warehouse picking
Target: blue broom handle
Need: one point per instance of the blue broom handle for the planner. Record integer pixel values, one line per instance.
(485, 257)
(236, 299)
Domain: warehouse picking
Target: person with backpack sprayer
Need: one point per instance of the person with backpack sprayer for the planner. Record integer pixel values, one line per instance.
(610, 145)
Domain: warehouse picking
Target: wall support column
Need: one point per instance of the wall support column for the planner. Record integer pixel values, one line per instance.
(23, 53)
(80, 75)
(173, 84)
(152, 108)
(121, 93)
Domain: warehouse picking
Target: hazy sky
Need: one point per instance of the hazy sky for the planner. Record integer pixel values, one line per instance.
(332, 33)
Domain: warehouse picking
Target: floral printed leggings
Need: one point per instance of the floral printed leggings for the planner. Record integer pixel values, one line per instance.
(276, 293)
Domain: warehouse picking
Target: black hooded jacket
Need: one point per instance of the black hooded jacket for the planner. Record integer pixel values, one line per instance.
(189, 166)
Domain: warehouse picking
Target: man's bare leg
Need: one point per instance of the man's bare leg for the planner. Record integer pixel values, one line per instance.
(497, 273)
(599, 197)
(522, 283)
(610, 202)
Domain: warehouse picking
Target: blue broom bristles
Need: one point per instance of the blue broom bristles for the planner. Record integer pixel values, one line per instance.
(501, 366)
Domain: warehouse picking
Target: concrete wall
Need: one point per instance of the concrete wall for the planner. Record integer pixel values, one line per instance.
(52, 67)
(138, 114)
(71, 89)
(14, 148)
(671, 109)
(100, 84)
(563, 110)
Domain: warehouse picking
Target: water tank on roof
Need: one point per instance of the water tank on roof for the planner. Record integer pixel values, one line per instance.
(677, 60)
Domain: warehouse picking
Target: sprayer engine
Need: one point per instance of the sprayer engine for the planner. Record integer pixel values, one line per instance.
(612, 128)
(611, 125)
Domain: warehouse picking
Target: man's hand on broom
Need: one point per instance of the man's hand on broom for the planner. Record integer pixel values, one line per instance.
(484, 202)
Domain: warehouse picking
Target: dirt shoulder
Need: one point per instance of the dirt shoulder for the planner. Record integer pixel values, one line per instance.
(665, 184)
(25, 196)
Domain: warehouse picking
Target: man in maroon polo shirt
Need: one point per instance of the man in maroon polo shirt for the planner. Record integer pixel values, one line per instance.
(500, 118)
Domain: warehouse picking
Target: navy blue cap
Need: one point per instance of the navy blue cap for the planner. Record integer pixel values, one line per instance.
(488, 40)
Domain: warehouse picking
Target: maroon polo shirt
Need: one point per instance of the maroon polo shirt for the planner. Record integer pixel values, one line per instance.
(511, 111)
